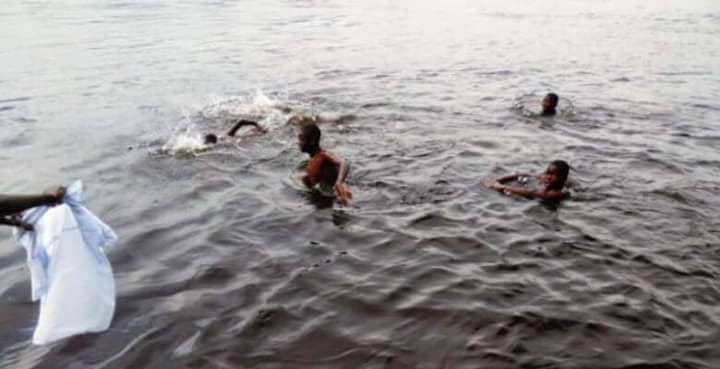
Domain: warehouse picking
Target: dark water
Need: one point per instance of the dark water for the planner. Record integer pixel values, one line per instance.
(225, 263)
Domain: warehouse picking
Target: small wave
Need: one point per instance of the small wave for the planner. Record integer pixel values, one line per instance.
(216, 116)
(272, 111)
(705, 106)
(15, 99)
(380, 104)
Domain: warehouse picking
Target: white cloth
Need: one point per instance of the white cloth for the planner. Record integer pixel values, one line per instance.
(70, 273)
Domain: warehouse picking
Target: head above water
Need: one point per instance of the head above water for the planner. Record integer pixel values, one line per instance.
(309, 138)
(549, 103)
(210, 139)
(556, 175)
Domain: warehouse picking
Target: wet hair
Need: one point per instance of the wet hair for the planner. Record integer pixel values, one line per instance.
(211, 138)
(553, 98)
(311, 133)
(562, 168)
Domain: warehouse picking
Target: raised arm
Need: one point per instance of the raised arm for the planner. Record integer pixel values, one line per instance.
(242, 123)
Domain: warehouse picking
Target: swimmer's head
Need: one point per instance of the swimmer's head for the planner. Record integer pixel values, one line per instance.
(549, 103)
(210, 139)
(556, 175)
(309, 138)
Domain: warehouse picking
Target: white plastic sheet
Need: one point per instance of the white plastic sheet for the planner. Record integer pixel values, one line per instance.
(70, 273)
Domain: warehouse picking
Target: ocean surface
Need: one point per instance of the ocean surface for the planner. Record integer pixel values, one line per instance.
(225, 261)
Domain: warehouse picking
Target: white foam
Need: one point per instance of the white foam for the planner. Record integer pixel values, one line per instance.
(269, 111)
(187, 142)
(215, 115)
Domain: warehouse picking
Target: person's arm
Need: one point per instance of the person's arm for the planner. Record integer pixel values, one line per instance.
(307, 181)
(519, 191)
(343, 194)
(524, 192)
(497, 183)
(552, 195)
(15, 223)
(13, 204)
(242, 123)
(513, 177)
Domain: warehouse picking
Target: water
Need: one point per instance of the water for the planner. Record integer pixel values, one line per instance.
(224, 262)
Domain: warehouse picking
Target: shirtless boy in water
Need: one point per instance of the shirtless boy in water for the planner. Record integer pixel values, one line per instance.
(212, 138)
(323, 169)
(554, 180)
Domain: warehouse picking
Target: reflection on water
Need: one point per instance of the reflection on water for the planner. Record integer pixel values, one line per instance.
(227, 261)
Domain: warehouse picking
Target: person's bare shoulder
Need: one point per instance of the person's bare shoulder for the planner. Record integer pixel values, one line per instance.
(326, 155)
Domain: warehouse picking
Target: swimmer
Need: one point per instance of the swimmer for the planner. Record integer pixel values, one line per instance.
(554, 180)
(323, 169)
(211, 138)
(12, 205)
(549, 103)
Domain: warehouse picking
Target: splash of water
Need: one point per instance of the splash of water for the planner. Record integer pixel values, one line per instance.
(270, 111)
(188, 142)
(216, 116)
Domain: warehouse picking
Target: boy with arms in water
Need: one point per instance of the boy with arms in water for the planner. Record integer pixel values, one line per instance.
(554, 180)
(323, 169)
